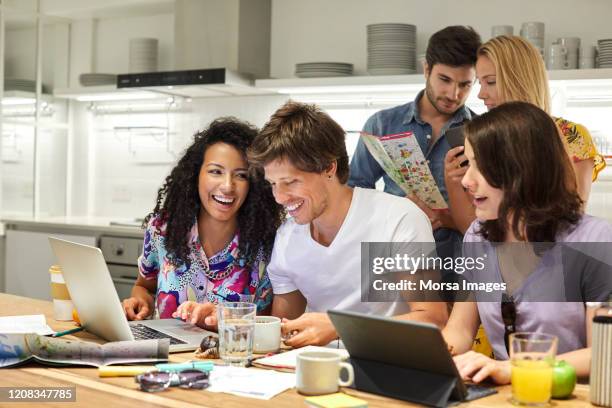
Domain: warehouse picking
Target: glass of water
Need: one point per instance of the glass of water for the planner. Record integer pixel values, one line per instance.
(236, 326)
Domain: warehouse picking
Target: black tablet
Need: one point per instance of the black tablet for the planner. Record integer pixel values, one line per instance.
(402, 359)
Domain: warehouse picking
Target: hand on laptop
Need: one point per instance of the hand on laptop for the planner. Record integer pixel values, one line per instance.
(200, 314)
(309, 329)
(136, 308)
(476, 367)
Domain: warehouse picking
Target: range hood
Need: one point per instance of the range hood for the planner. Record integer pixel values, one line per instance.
(208, 34)
(192, 83)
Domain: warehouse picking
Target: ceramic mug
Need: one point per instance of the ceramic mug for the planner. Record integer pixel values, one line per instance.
(533, 29)
(587, 57)
(267, 335)
(318, 372)
(501, 30)
(571, 43)
(558, 57)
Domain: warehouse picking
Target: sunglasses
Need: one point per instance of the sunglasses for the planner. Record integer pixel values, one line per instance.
(508, 312)
(160, 380)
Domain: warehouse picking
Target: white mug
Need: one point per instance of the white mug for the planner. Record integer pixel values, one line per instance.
(571, 43)
(558, 57)
(318, 372)
(587, 57)
(267, 335)
(501, 30)
(533, 29)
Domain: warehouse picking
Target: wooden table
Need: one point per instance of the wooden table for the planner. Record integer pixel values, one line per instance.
(92, 391)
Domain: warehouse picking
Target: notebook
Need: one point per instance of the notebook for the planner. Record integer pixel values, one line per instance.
(288, 360)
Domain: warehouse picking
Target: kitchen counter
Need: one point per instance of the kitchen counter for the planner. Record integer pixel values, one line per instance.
(27, 254)
(74, 224)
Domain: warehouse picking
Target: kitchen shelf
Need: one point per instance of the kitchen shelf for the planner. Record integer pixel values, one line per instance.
(415, 82)
(591, 79)
(112, 93)
(22, 98)
(105, 93)
(347, 84)
(207, 91)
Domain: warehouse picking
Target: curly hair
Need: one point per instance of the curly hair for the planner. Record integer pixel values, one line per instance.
(178, 201)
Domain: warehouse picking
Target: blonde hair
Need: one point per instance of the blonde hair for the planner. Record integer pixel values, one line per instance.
(519, 70)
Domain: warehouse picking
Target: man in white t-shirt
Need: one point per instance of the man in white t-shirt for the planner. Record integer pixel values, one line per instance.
(316, 261)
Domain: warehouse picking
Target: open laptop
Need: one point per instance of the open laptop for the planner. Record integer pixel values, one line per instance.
(402, 359)
(100, 311)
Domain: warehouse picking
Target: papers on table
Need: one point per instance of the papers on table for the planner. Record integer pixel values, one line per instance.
(25, 324)
(288, 360)
(250, 382)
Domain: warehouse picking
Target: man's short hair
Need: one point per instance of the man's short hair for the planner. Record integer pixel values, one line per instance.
(455, 46)
(305, 136)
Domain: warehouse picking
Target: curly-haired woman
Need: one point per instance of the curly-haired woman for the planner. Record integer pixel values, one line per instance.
(210, 234)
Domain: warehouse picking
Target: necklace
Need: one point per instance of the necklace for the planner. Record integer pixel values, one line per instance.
(204, 264)
(218, 275)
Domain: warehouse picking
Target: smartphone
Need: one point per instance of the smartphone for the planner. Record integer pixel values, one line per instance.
(455, 137)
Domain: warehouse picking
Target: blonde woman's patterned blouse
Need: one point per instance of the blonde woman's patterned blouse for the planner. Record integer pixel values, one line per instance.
(580, 144)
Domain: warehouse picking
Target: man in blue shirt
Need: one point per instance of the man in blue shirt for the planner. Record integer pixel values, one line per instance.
(449, 73)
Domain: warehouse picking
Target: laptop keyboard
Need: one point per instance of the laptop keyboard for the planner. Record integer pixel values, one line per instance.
(142, 332)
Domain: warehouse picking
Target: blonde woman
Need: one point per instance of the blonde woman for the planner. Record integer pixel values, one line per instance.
(510, 69)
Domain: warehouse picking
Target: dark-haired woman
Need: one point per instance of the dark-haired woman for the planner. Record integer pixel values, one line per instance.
(524, 192)
(210, 234)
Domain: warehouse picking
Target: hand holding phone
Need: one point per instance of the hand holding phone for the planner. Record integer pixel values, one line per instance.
(455, 138)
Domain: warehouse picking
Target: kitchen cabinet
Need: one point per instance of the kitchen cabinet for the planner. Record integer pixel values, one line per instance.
(28, 258)
(35, 137)
(28, 254)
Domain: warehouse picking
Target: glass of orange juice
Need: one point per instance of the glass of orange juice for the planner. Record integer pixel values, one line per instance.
(532, 356)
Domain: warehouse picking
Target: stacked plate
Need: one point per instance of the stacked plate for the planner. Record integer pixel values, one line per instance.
(25, 85)
(97, 79)
(391, 49)
(323, 69)
(143, 55)
(16, 84)
(605, 53)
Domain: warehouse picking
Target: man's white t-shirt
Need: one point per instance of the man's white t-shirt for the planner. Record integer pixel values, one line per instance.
(330, 277)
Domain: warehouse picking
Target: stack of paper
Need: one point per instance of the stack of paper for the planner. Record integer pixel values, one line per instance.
(25, 324)
(249, 382)
(288, 360)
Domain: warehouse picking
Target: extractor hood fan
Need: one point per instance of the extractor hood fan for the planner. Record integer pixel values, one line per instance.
(192, 83)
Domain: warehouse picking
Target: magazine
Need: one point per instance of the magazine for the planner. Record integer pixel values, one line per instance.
(401, 158)
(17, 349)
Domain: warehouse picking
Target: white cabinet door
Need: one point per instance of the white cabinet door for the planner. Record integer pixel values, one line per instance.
(28, 258)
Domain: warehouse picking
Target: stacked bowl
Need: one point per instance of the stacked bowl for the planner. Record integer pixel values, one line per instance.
(391, 49)
(143, 55)
(605, 53)
(534, 33)
(323, 69)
